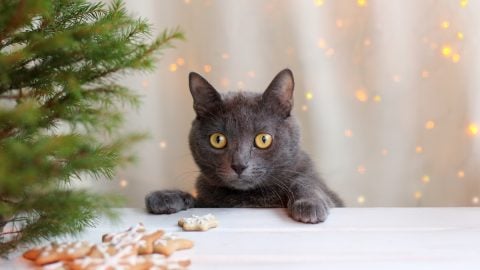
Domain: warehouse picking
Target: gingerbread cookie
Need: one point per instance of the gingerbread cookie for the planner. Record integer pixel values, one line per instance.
(198, 223)
(55, 252)
(134, 235)
(169, 243)
(56, 266)
(129, 250)
(160, 262)
(107, 256)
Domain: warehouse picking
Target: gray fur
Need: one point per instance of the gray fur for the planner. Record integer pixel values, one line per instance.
(279, 176)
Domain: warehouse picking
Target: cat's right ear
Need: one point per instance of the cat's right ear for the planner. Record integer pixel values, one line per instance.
(205, 97)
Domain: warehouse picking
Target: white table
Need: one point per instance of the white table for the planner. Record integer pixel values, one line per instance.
(351, 238)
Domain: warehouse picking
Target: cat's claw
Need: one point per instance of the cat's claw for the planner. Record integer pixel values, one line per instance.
(309, 211)
(168, 201)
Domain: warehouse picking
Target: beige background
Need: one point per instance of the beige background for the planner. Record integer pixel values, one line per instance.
(385, 92)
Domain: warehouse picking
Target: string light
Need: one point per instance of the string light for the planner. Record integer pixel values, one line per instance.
(425, 74)
(207, 68)
(463, 3)
(225, 56)
(419, 149)
(475, 200)
(430, 125)
(304, 108)
(240, 85)
(172, 67)
(460, 35)
(455, 58)
(461, 174)
(473, 129)
(348, 133)
(377, 98)
(361, 95)
(361, 3)
(361, 169)
(446, 51)
(225, 82)
(180, 61)
(445, 24)
(289, 51)
(361, 199)
(417, 195)
(426, 179)
(162, 144)
(318, 3)
(309, 95)
(339, 23)
(322, 44)
(251, 74)
(330, 52)
(123, 183)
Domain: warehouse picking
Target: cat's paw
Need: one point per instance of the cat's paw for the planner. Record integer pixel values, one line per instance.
(308, 211)
(168, 201)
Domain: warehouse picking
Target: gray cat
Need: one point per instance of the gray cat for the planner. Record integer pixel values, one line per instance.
(247, 148)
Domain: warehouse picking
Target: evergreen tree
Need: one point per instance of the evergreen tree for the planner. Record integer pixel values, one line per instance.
(60, 108)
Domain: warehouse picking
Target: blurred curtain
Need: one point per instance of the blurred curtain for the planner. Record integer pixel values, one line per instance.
(387, 92)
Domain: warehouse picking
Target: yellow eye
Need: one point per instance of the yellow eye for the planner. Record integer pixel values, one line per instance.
(218, 140)
(263, 140)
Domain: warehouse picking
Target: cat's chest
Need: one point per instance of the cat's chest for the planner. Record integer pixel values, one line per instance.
(264, 197)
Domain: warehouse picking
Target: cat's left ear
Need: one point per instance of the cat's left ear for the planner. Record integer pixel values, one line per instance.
(279, 94)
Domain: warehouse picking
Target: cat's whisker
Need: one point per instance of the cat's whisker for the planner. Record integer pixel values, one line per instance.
(281, 169)
(264, 196)
(278, 196)
(277, 182)
(183, 175)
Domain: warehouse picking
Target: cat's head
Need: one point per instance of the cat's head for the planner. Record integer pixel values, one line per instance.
(241, 140)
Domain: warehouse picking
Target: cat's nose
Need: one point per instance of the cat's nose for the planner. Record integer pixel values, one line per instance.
(239, 168)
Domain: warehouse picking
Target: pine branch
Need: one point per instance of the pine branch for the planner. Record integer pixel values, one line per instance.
(60, 108)
(47, 215)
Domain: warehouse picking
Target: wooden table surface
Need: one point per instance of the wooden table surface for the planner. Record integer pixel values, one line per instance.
(351, 238)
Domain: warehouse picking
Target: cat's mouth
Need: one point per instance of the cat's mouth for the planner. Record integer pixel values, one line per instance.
(240, 183)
